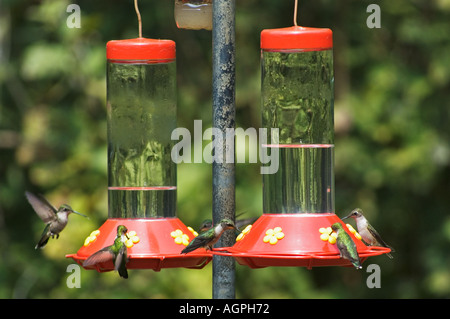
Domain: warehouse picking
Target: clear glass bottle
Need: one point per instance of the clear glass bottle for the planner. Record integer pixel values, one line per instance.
(193, 14)
(141, 115)
(297, 87)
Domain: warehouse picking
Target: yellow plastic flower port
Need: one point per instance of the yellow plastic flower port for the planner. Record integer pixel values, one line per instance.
(327, 234)
(332, 238)
(244, 232)
(132, 239)
(179, 237)
(192, 230)
(273, 235)
(353, 231)
(91, 238)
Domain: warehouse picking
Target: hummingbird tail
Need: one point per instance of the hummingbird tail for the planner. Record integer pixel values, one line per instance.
(357, 265)
(190, 248)
(123, 273)
(42, 242)
(187, 250)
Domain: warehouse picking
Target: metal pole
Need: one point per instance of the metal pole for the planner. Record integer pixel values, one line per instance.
(223, 94)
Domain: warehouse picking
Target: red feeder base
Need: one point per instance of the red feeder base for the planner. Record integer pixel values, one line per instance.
(156, 249)
(301, 245)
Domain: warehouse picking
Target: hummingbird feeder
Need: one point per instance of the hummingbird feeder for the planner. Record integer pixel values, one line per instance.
(142, 185)
(297, 88)
(297, 100)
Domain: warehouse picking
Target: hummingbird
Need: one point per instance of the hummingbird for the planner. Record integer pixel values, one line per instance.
(208, 238)
(346, 246)
(55, 220)
(207, 224)
(117, 252)
(367, 232)
(241, 223)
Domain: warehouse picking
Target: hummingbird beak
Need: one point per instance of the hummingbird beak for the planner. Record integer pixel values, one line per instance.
(80, 214)
(240, 231)
(346, 217)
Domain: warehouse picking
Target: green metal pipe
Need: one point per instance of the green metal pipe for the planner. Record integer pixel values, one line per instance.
(223, 60)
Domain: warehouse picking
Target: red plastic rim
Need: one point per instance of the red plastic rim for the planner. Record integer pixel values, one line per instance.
(155, 250)
(300, 246)
(296, 37)
(141, 49)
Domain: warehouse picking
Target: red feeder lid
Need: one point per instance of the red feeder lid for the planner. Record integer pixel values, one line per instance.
(297, 38)
(140, 49)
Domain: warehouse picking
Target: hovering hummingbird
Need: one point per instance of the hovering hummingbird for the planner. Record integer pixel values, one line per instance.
(55, 220)
(367, 232)
(208, 238)
(117, 252)
(346, 246)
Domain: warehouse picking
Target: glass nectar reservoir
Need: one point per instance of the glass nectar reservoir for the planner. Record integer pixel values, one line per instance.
(141, 115)
(297, 108)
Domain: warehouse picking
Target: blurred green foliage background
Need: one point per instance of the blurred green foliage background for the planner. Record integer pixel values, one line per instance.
(392, 118)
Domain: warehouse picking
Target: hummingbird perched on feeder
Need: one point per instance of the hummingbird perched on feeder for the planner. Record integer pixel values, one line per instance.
(346, 246)
(367, 232)
(117, 252)
(208, 238)
(54, 219)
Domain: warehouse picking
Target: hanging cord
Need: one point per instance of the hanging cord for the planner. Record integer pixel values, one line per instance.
(295, 12)
(139, 18)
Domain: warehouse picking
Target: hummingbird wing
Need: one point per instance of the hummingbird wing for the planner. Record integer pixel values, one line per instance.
(42, 207)
(44, 237)
(347, 252)
(101, 256)
(201, 240)
(377, 237)
(121, 261)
